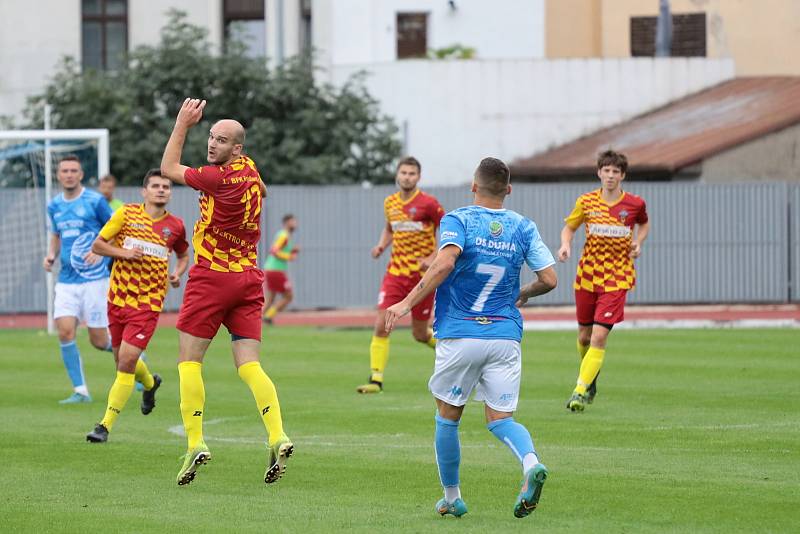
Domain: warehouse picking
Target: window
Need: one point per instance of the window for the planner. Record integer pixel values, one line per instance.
(244, 21)
(688, 35)
(104, 34)
(412, 35)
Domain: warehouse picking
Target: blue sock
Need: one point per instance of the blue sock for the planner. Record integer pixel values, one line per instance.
(109, 348)
(514, 435)
(72, 361)
(448, 450)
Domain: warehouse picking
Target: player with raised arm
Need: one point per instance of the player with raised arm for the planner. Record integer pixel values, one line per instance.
(282, 251)
(140, 238)
(616, 227)
(412, 218)
(75, 216)
(479, 328)
(225, 285)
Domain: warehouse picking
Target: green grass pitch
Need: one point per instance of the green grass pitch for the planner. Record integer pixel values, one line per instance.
(692, 431)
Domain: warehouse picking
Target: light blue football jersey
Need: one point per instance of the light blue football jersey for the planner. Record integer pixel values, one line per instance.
(477, 299)
(78, 222)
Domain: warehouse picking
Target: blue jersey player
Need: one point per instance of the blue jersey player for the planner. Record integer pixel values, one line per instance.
(75, 217)
(478, 326)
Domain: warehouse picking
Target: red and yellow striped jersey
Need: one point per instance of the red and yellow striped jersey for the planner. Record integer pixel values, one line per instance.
(226, 235)
(605, 264)
(142, 284)
(413, 223)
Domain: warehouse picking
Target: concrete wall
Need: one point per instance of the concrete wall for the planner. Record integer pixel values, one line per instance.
(363, 31)
(457, 112)
(32, 42)
(774, 157)
(573, 28)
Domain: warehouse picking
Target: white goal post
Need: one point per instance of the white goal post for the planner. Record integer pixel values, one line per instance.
(47, 138)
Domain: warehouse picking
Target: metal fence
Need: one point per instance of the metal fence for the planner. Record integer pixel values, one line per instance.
(708, 243)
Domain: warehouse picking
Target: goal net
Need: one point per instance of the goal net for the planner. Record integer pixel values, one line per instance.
(28, 162)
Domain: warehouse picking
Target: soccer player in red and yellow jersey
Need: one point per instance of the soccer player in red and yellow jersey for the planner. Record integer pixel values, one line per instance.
(412, 219)
(140, 238)
(225, 285)
(616, 227)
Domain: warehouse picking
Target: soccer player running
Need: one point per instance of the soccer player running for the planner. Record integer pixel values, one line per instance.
(225, 285)
(282, 251)
(106, 187)
(140, 238)
(412, 218)
(75, 216)
(479, 328)
(616, 226)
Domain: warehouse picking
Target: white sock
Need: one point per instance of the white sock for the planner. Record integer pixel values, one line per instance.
(528, 462)
(451, 493)
(83, 390)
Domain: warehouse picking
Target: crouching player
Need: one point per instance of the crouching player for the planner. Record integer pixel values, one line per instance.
(140, 238)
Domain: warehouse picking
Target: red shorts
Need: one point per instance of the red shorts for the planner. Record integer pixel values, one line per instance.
(602, 308)
(130, 325)
(212, 299)
(278, 282)
(395, 288)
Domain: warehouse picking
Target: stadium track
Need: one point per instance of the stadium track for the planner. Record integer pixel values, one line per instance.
(544, 317)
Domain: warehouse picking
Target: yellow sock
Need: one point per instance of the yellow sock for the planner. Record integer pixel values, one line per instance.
(271, 312)
(590, 366)
(378, 356)
(193, 399)
(431, 340)
(117, 398)
(266, 398)
(581, 349)
(143, 375)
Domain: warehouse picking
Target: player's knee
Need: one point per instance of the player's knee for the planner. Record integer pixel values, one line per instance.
(422, 337)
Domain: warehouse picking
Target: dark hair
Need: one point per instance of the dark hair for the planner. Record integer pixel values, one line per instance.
(109, 178)
(409, 160)
(287, 217)
(149, 174)
(70, 157)
(610, 157)
(492, 177)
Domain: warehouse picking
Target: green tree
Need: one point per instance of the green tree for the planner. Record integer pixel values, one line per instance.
(298, 131)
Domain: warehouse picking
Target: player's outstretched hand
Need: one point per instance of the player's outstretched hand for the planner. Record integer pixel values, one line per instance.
(394, 313)
(191, 112)
(376, 251)
(48, 263)
(636, 250)
(563, 253)
(175, 280)
(521, 301)
(132, 253)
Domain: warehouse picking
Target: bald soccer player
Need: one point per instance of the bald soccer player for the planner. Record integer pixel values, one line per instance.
(225, 285)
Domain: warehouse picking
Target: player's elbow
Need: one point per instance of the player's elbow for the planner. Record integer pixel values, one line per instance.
(548, 279)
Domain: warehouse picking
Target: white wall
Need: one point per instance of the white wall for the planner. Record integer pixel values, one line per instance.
(458, 112)
(32, 42)
(147, 17)
(363, 31)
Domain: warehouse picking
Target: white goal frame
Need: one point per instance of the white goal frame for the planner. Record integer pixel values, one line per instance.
(103, 167)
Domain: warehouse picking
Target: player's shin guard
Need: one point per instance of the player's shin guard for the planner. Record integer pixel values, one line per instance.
(143, 375)
(72, 362)
(517, 438)
(581, 349)
(266, 398)
(193, 398)
(117, 398)
(378, 357)
(590, 366)
(448, 452)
